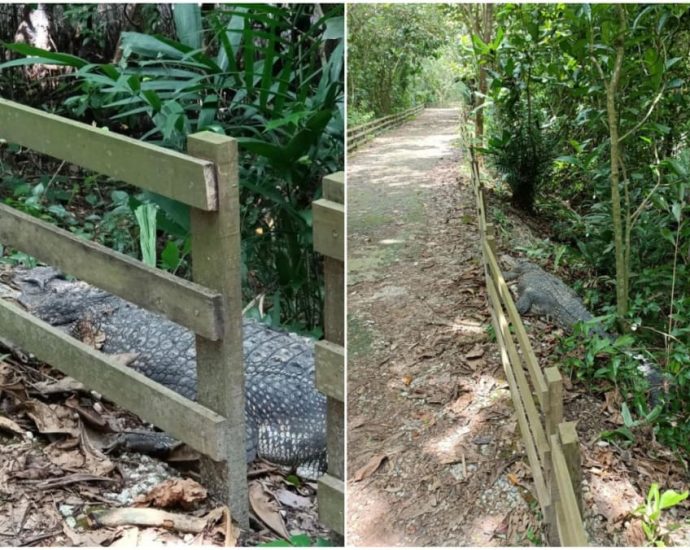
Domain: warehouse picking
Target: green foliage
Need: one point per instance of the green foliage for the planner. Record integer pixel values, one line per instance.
(269, 76)
(299, 541)
(521, 153)
(387, 46)
(650, 512)
(553, 64)
(146, 218)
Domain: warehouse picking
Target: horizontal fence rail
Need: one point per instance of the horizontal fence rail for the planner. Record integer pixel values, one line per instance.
(329, 240)
(207, 180)
(184, 419)
(191, 305)
(551, 444)
(169, 173)
(361, 134)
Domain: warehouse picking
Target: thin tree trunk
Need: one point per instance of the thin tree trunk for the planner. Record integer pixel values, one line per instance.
(611, 90)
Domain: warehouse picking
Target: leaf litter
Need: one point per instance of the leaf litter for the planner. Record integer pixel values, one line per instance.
(59, 486)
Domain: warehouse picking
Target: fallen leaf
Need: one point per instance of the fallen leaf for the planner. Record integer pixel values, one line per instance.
(267, 510)
(89, 538)
(475, 353)
(51, 419)
(292, 500)
(370, 467)
(184, 493)
(10, 425)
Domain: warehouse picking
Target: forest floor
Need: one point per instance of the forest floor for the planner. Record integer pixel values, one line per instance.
(59, 486)
(434, 453)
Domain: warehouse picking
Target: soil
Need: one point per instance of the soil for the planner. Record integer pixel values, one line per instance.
(434, 454)
(427, 400)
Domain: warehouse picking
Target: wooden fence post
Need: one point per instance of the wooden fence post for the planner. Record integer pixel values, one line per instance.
(220, 364)
(554, 416)
(554, 410)
(329, 240)
(571, 451)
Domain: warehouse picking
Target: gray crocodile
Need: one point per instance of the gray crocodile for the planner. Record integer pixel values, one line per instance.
(543, 294)
(285, 414)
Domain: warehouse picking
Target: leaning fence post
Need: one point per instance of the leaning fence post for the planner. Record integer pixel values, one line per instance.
(220, 364)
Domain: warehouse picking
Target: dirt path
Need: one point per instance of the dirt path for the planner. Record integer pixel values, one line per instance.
(427, 401)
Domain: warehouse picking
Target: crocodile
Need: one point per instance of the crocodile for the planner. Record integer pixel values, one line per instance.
(285, 414)
(543, 294)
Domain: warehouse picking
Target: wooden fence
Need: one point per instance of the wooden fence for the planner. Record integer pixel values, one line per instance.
(361, 134)
(551, 445)
(329, 240)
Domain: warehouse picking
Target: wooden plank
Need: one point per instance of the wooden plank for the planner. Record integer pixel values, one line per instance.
(330, 369)
(535, 372)
(160, 170)
(220, 365)
(571, 451)
(182, 418)
(502, 337)
(329, 224)
(188, 304)
(334, 307)
(334, 187)
(530, 408)
(335, 420)
(554, 412)
(331, 493)
(570, 527)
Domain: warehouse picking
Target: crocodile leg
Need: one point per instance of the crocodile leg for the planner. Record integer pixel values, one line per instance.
(524, 303)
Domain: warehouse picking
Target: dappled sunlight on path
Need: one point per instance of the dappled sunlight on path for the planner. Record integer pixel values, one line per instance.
(431, 434)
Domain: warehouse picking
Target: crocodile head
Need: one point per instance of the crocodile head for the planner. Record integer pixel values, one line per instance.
(47, 293)
(518, 265)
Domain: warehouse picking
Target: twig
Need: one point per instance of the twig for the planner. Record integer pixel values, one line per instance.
(37, 538)
(149, 517)
(644, 119)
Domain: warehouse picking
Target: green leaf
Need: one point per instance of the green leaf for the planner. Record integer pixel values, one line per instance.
(335, 28)
(676, 209)
(627, 417)
(146, 218)
(170, 256)
(480, 46)
(40, 57)
(568, 159)
(671, 498)
(188, 24)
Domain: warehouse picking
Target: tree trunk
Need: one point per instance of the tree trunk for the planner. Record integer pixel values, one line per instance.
(611, 89)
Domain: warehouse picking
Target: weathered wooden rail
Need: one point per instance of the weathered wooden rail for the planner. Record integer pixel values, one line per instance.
(551, 445)
(329, 240)
(361, 134)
